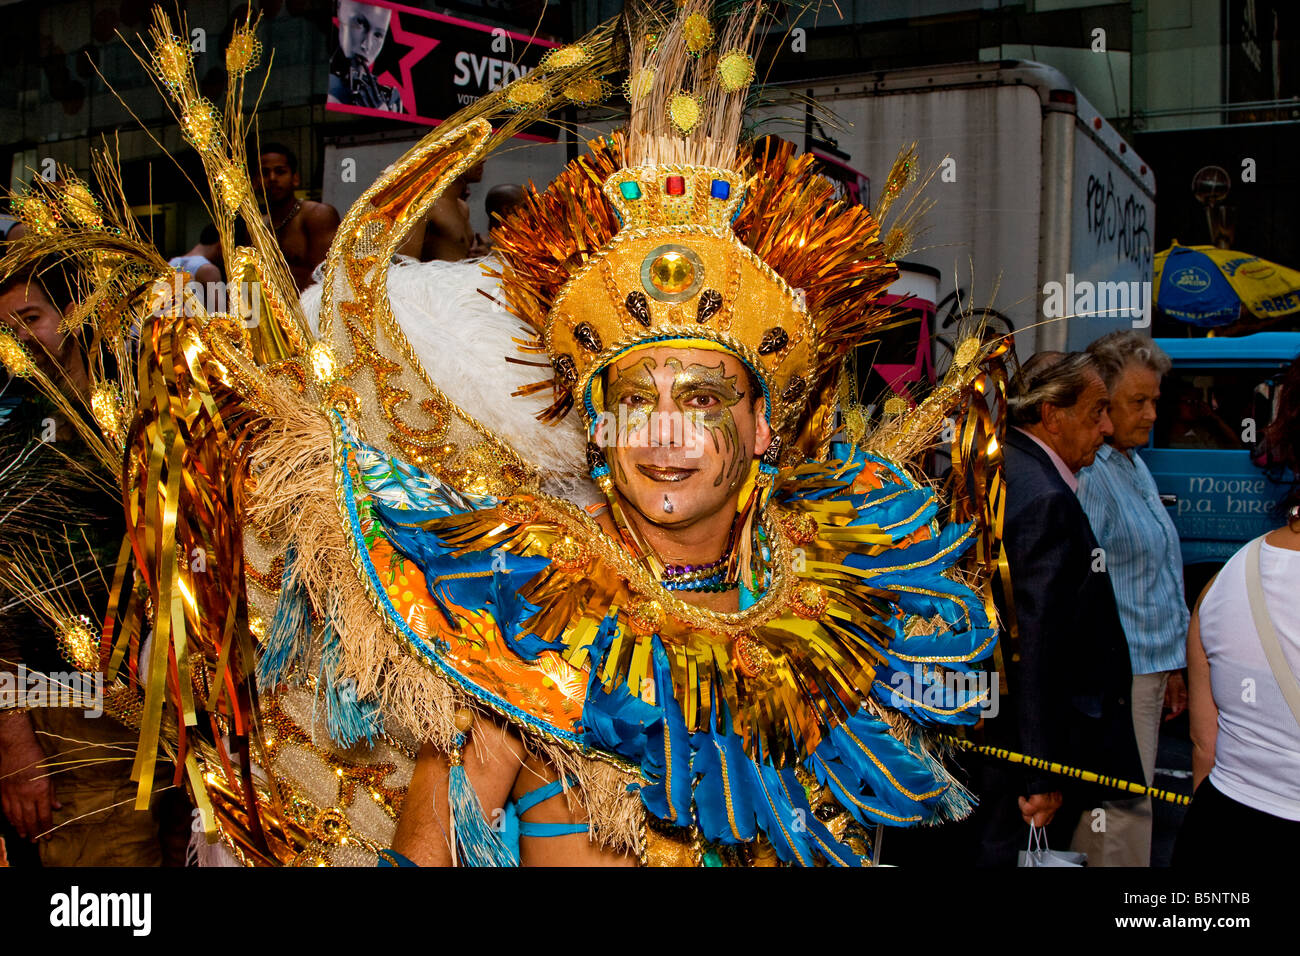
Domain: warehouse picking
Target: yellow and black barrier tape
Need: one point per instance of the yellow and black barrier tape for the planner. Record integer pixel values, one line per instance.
(1087, 776)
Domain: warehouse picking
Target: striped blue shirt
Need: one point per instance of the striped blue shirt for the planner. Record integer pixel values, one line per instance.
(1142, 555)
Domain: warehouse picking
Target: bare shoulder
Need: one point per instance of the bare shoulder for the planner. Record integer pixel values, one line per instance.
(1284, 537)
(320, 214)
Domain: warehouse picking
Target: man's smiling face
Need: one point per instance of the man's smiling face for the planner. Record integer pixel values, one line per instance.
(681, 429)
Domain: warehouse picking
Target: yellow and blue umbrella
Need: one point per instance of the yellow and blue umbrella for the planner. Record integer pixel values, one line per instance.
(1209, 286)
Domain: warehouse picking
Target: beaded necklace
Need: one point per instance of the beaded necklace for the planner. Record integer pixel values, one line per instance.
(698, 577)
(289, 218)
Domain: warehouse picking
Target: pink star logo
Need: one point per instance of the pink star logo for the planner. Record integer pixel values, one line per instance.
(898, 377)
(419, 48)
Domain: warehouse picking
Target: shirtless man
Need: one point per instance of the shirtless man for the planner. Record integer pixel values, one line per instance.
(201, 261)
(498, 203)
(303, 228)
(445, 232)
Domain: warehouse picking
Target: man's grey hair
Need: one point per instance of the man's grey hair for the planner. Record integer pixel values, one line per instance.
(1053, 377)
(1116, 351)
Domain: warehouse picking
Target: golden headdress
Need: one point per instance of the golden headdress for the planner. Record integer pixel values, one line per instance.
(675, 232)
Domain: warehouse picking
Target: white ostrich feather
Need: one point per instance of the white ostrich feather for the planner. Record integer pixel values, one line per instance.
(462, 340)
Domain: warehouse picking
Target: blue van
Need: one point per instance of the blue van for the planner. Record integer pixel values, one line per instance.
(1205, 452)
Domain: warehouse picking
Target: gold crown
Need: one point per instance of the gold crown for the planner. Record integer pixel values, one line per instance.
(677, 272)
(674, 232)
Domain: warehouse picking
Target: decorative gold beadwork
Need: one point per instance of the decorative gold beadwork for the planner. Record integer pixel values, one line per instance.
(569, 554)
(752, 658)
(799, 525)
(518, 509)
(645, 615)
(809, 600)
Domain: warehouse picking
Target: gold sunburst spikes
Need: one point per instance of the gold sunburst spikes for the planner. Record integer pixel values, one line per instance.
(218, 134)
(828, 250)
(687, 74)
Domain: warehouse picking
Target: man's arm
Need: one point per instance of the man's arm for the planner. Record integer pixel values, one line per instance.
(1175, 695)
(499, 768)
(207, 275)
(320, 222)
(492, 757)
(1202, 711)
(1045, 566)
(26, 792)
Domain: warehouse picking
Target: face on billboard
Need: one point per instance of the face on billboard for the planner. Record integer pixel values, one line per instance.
(362, 29)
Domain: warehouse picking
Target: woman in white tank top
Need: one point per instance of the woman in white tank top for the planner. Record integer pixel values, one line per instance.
(1245, 736)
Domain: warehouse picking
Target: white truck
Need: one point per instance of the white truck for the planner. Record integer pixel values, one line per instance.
(1037, 197)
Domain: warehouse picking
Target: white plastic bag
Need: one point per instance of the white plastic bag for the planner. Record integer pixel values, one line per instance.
(1037, 853)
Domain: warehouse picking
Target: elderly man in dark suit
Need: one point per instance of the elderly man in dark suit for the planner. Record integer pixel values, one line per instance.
(1063, 647)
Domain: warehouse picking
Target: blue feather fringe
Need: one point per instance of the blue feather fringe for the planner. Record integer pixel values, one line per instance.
(480, 843)
(288, 642)
(347, 718)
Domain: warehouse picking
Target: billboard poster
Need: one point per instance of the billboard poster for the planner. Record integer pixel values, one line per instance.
(1261, 59)
(404, 63)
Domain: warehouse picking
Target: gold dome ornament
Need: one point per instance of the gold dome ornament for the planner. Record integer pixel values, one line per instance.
(569, 555)
(809, 600)
(518, 509)
(672, 273)
(330, 826)
(172, 62)
(243, 52)
(645, 615)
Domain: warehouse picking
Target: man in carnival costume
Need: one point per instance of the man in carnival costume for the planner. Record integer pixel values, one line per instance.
(674, 621)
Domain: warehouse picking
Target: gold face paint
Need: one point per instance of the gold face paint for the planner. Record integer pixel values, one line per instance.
(678, 429)
(635, 388)
(705, 396)
(633, 396)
